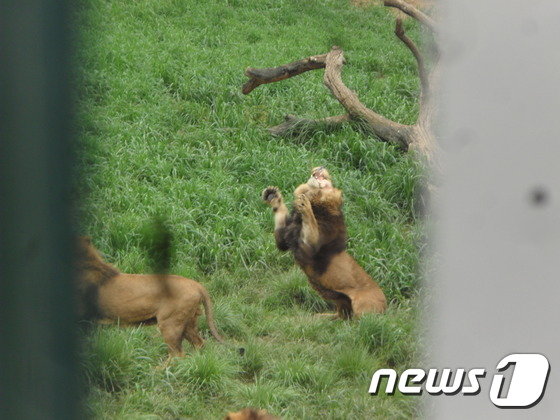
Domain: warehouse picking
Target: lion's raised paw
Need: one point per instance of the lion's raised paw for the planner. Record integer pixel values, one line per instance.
(270, 193)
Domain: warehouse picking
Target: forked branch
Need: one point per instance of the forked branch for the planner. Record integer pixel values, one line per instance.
(417, 137)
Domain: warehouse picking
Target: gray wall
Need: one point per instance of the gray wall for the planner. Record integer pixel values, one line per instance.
(497, 221)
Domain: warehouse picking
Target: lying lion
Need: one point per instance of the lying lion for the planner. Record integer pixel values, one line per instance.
(107, 295)
(251, 414)
(316, 234)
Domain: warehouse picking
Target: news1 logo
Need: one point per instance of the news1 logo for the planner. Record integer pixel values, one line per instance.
(529, 376)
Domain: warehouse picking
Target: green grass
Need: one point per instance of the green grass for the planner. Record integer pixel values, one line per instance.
(166, 135)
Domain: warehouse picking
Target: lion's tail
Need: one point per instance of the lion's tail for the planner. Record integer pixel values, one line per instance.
(210, 315)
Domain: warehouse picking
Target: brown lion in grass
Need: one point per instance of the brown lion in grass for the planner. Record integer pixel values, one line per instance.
(106, 295)
(251, 414)
(316, 234)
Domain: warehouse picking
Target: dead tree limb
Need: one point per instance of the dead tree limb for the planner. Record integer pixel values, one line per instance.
(413, 12)
(384, 128)
(418, 137)
(259, 77)
(422, 73)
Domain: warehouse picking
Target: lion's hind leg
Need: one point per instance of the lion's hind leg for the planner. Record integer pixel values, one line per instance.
(368, 301)
(342, 302)
(344, 307)
(191, 331)
(172, 330)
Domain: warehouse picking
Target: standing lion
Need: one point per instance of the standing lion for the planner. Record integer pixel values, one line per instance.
(316, 234)
(106, 295)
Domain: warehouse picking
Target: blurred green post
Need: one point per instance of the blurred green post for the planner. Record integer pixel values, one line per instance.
(37, 330)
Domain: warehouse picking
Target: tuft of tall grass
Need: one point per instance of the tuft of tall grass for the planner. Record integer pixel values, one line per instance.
(206, 371)
(292, 288)
(253, 359)
(354, 362)
(298, 372)
(111, 357)
(390, 339)
(268, 395)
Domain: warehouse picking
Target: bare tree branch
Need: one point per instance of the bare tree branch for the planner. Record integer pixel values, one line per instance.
(259, 77)
(413, 12)
(417, 138)
(294, 125)
(422, 73)
(384, 128)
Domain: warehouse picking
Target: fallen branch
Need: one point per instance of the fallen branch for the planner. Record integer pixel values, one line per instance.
(417, 137)
(422, 73)
(259, 77)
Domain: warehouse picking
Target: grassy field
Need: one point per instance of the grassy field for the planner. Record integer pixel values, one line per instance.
(166, 133)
